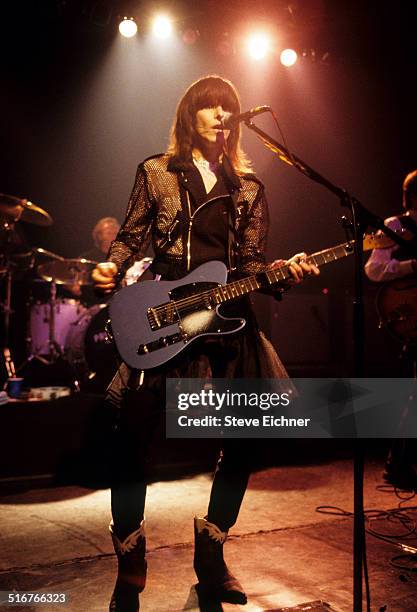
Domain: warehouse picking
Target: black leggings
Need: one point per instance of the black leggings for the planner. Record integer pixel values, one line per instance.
(142, 416)
(227, 491)
(141, 419)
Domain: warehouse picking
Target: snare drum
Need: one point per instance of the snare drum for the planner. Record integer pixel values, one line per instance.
(89, 349)
(67, 313)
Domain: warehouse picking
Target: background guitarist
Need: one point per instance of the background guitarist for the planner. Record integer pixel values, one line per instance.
(392, 262)
(199, 202)
(387, 264)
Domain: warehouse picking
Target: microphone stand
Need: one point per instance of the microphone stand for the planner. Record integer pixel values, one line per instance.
(361, 219)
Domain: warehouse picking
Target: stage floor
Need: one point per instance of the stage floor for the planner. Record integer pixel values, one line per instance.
(284, 552)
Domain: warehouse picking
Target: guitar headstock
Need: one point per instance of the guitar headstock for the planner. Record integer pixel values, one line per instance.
(379, 240)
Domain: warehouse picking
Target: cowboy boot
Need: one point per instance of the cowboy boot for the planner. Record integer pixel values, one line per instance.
(131, 575)
(215, 579)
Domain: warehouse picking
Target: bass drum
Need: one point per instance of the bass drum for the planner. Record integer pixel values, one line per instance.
(90, 351)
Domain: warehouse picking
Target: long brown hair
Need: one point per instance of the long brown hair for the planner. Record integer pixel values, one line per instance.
(206, 92)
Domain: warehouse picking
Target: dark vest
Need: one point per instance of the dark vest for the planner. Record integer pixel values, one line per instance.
(211, 216)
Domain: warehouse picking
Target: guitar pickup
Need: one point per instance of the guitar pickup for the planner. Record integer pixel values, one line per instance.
(162, 316)
(153, 319)
(162, 342)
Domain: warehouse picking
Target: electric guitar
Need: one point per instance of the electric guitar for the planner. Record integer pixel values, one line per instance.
(153, 321)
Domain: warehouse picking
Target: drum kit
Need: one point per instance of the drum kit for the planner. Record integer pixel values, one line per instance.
(58, 328)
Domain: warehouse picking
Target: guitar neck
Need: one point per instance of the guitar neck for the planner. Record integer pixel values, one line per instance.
(261, 280)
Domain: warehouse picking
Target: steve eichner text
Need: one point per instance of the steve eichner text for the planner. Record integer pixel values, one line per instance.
(208, 397)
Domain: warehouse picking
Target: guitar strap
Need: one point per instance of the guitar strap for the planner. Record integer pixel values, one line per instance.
(231, 234)
(233, 185)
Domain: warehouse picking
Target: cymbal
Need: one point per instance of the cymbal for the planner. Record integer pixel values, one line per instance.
(45, 253)
(67, 271)
(21, 209)
(33, 254)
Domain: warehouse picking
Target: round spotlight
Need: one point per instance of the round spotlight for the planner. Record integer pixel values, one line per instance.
(258, 45)
(288, 57)
(128, 27)
(162, 26)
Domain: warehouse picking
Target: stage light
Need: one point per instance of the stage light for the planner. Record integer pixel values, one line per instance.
(128, 27)
(162, 26)
(258, 45)
(288, 57)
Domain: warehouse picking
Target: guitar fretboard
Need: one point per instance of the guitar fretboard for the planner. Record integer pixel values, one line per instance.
(282, 273)
(168, 313)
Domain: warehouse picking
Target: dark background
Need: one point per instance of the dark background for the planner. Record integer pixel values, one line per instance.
(81, 107)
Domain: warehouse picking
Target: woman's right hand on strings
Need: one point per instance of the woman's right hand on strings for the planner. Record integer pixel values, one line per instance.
(104, 276)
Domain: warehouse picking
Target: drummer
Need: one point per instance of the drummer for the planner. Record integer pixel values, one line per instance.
(103, 233)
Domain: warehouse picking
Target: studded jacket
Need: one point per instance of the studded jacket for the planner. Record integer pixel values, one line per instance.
(160, 210)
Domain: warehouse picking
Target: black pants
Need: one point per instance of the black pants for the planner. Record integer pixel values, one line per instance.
(128, 491)
(142, 417)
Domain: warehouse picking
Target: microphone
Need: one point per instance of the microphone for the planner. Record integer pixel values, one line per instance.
(233, 120)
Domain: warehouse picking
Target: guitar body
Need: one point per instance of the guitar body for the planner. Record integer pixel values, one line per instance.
(148, 327)
(396, 304)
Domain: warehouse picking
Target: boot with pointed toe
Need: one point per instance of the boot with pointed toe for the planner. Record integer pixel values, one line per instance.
(132, 567)
(215, 579)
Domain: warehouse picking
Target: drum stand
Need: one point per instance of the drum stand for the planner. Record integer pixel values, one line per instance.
(5, 306)
(8, 361)
(55, 351)
(12, 210)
